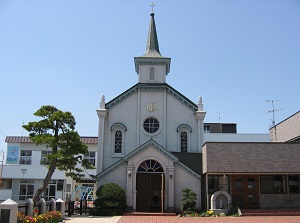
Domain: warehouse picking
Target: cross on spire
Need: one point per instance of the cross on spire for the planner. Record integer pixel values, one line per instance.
(152, 5)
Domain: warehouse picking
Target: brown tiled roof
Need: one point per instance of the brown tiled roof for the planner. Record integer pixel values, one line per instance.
(17, 139)
(89, 139)
(26, 139)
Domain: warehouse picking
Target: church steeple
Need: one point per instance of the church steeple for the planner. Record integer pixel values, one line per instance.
(152, 66)
(152, 48)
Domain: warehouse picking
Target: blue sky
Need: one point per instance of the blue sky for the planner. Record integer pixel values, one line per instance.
(67, 53)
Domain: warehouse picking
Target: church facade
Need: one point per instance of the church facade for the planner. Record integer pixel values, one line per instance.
(142, 129)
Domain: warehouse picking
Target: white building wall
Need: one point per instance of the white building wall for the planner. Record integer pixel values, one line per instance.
(179, 114)
(35, 172)
(124, 113)
(234, 137)
(117, 176)
(133, 111)
(185, 180)
(5, 194)
(160, 76)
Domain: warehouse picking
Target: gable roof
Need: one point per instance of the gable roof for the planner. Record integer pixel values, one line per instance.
(140, 149)
(150, 87)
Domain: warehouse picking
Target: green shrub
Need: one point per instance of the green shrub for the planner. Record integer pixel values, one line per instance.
(110, 201)
(110, 190)
(188, 201)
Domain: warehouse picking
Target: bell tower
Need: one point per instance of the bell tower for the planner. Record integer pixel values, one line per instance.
(152, 67)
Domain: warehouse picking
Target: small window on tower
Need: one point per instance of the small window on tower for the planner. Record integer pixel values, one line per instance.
(152, 74)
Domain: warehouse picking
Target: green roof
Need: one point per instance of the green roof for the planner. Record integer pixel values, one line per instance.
(191, 160)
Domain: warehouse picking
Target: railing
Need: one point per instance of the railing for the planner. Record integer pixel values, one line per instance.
(79, 207)
(71, 207)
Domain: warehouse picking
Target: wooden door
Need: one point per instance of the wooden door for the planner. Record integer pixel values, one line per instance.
(143, 192)
(148, 187)
(245, 191)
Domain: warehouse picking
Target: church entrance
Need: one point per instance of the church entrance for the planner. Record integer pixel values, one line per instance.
(149, 187)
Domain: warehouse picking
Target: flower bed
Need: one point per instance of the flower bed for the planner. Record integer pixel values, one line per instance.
(48, 217)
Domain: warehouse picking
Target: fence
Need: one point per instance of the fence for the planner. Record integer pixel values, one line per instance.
(9, 208)
(79, 207)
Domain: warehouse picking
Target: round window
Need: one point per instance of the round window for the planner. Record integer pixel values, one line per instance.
(151, 125)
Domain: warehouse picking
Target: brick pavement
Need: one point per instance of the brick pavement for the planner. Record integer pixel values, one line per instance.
(244, 219)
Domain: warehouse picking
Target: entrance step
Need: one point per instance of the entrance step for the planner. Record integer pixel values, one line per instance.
(148, 214)
(271, 212)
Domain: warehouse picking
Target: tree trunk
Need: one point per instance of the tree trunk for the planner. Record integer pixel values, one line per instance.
(47, 179)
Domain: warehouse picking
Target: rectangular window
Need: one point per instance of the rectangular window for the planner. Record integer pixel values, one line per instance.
(44, 160)
(60, 185)
(207, 129)
(91, 157)
(294, 184)
(6, 183)
(213, 184)
(26, 189)
(25, 157)
(272, 184)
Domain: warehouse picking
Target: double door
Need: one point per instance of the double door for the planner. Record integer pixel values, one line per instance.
(149, 188)
(245, 191)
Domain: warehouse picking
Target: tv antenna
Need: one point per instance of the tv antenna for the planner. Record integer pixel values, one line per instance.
(219, 120)
(273, 123)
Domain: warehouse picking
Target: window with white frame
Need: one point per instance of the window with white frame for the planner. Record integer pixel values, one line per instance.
(184, 135)
(26, 189)
(151, 74)
(91, 157)
(44, 159)
(25, 157)
(118, 136)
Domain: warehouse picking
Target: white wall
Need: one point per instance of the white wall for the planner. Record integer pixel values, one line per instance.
(185, 180)
(233, 137)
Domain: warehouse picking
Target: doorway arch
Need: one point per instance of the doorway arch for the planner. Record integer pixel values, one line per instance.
(150, 186)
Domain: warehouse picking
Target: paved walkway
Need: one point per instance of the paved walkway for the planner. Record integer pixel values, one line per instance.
(169, 219)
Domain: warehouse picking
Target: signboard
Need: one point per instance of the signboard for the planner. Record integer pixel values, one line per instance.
(12, 154)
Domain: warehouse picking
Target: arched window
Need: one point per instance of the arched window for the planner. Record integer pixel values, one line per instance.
(150, 166)
(151, 74)
(184, 138)
(118, 137)
(183, 141)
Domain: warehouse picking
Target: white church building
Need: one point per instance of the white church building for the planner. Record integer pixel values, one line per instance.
(142, 129)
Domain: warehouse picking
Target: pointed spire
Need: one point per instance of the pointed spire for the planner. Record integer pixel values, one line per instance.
(152, 48)
(152, 55)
